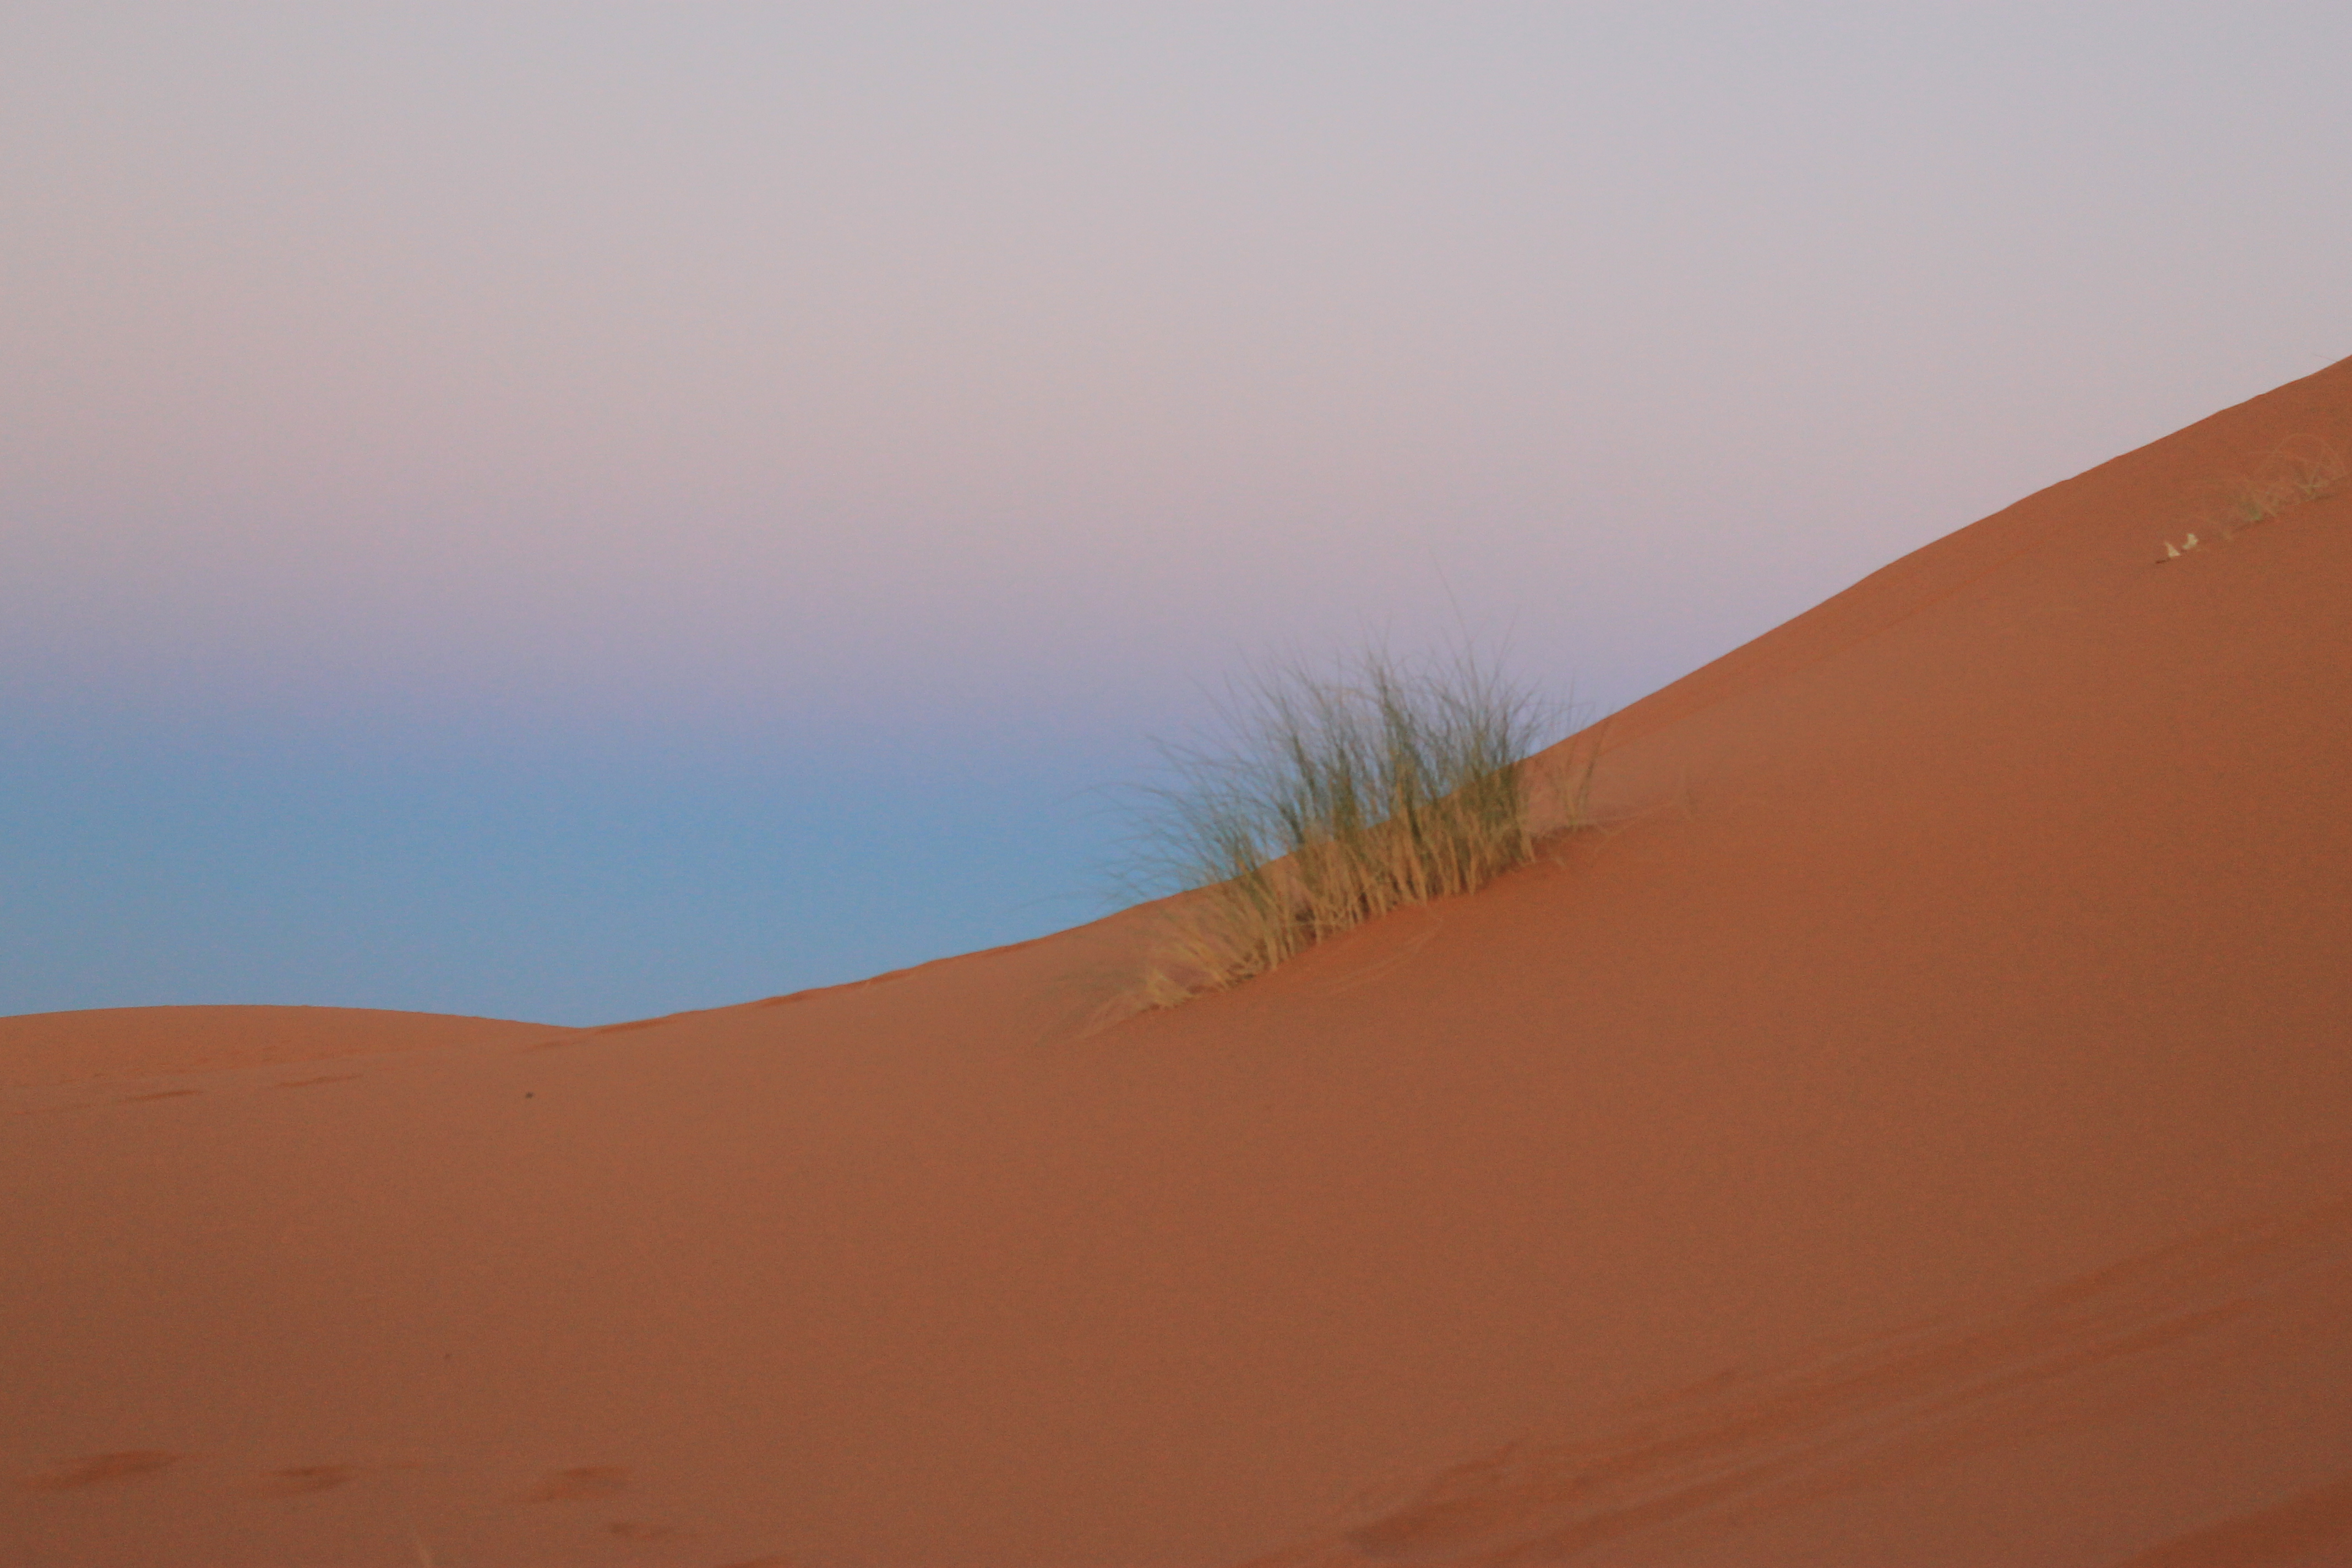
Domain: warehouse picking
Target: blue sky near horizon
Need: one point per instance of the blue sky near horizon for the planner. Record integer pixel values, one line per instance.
(580, 512)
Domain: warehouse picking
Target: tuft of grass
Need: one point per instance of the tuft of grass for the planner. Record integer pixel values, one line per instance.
(1339, 798)
(2298, 470)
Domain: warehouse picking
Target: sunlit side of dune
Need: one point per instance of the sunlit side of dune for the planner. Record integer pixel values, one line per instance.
(1913, 1129)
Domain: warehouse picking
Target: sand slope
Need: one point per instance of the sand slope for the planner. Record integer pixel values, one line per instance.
(1920, 1131)
(111, 1043)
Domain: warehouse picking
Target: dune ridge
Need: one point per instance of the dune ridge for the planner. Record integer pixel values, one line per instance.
(1916, 1129)
(108, 1043)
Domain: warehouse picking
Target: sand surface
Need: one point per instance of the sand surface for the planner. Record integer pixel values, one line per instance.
(126, 1043)
(1917, 1130)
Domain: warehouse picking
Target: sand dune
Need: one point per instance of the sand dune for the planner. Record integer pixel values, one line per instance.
(116, 1043)
(1918, 1130)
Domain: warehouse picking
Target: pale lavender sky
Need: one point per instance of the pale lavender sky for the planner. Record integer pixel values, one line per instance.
(485, 489)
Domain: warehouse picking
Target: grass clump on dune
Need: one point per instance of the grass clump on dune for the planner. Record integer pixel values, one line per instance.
(1341, 798)
(2299, 470)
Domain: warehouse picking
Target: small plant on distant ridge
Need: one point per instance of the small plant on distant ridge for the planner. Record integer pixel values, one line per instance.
(1341, 797)
(2299, 470)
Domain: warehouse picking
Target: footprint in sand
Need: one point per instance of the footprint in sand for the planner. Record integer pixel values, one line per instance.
(302, 1478)
(575, 1486)
(96, 1469)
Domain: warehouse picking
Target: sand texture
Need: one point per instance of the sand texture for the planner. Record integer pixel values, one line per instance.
(1917, 1130)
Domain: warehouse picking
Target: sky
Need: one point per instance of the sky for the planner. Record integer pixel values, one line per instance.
(578, 511)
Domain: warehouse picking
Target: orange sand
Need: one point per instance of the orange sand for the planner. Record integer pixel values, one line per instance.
(1919, 1130)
